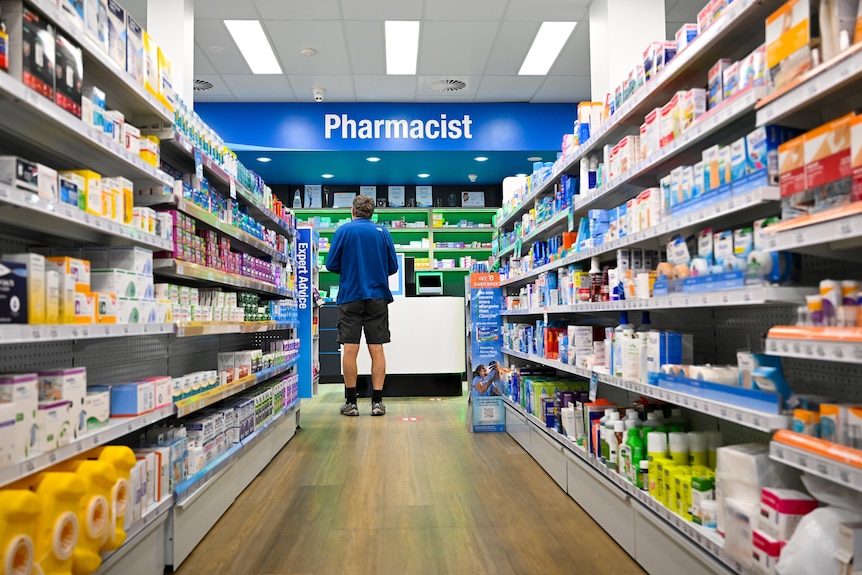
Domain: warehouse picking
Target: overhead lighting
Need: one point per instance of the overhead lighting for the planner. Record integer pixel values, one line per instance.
(481, 158)
(254, 45)
(424, 175)
(546, 47)
(327, 176)
(534, 159)
(402, 46)
(520, 175)
(372, 159)
(264, 159)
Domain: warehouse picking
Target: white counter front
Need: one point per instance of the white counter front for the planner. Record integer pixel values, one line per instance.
(427, 337)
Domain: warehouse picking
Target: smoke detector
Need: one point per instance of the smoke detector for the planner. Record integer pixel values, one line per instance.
(202, 86)
(448, 85)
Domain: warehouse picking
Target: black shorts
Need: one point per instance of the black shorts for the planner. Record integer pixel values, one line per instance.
(370, 314)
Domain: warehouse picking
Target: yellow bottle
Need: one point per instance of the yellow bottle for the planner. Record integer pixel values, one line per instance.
(19, 511)
(122, 459)
(59, 495)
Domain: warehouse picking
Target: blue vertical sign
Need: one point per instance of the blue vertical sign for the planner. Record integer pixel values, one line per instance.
(306, 240)
(486, 303)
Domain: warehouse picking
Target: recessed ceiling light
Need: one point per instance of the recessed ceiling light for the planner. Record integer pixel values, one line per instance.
(481, 158)
(424, 175)
(534, 159)
(254, 45)
(216, 49)
(402, 46)
(372, 159)
(264, 159)
(308, 52)
(327, 176)
(550, 39)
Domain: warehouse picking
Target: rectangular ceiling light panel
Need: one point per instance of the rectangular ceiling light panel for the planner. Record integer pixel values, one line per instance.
(254, 45)
(402, 46)
(546, 47)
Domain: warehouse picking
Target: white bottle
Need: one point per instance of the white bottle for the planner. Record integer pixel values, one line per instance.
(607, 434)
(677, 418)
(653, 420)
(602, 437)
(615, 439)
(624, 329)
(632, 415)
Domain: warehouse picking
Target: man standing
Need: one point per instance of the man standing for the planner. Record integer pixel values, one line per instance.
(363, 255)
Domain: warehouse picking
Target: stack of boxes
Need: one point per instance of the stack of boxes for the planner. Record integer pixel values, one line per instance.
(123, 286)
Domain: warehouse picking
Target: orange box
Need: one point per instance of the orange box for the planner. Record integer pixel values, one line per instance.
(827, 152)
(788, 35)
(85, 304)
(791, 166)
(856, 156)
(106, 307)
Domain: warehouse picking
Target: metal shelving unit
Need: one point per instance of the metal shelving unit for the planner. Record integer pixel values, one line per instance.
(29, 333)
(816, 343)
(841, 473)
(179, 269)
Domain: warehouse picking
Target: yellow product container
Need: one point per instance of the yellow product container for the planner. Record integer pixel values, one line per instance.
(680, 495)
(656, 476)
(57, 528)
(122, 459)
(665, 471)
(94, 511)
(151, 65)
(127, 197)
(19, 511)
(90, 196)
(167, 95)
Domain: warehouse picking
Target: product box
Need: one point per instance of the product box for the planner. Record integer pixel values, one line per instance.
(22, 391)
(107, 307)
(664, 56)
(730, 81)
(14, 292)
(149, 311)
(54, 427)
(162, 470)
(47, 181)
(38, 50)
(52, 297)
(828, 165)
(85, 308)
(766, 552)
(115, 281)
(788, 39)
(96, 21)
(35, 285)
(136, 260)
(693, 107)
(856, 156)
(19, 173)
(711, 168)
(167, 95)
(75, 9)
(669, 122)
(163, 391)
(134, 49)
(67, 385)
(791, 166)
(98, 407)
(781, 510)
(685, 36)
(117, 33)
(7, 434)
(132, 138)
(152, 78)
(70, 75)
(761, 148)
(77, 270)
(67, 190)
(129, 311)
(130, 399)
(738, 160)
(715, 83)
(89, 191)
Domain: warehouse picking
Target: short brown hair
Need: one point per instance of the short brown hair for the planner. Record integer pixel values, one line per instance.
(363, 206)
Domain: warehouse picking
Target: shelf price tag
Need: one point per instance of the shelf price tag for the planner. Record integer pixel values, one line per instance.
(594, 385)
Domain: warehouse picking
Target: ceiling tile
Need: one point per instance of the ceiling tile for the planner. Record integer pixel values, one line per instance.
(219, 92)
(383, 88)
(226, 9)
(382, 9)
(455, 47)
(511, 47)
(423, 87)
(563, 89)
(339, 88)
(508, 88)
(298, 9)
(260, 88)
(464, 10)
(542, 10)
(574, 58)
(324, 36)
(366, 47)
(202, 63)
(212, 33)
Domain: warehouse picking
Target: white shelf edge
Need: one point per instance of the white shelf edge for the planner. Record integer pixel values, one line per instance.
(841, 473)
(731, 205)
(117, 428)
(545, 226)
(823, 233)
(223, 328)
(750, 295)
(750, 418)
(825, 350)
(28, 333)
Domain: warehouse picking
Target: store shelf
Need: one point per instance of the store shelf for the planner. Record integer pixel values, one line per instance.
(123, 92)
(827, 468)
(463, 249)
(194, 329)
(724, 118)
(27, 333)
(406, 250)
(117, 428)
(42, 218)
(188, 488)
(720, 212)
(64, 141)
(179, 269)
(407, 230)
(460, 270)
(468, 230)
(827, 232)
(750, 418)
(753, 295)
(549, 228)
(819, 343)
(213, 396)
(705, 539)
(828, 86)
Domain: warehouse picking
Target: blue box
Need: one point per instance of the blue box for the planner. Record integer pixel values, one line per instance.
(489, 415)
(130, 399)
(751, 182)
(736, 396)
(714, 282)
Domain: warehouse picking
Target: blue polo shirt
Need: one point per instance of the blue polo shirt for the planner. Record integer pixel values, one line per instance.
(363, 255)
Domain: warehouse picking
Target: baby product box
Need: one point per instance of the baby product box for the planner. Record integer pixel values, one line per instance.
(69, 76)
(788, 39)
(22, 391)
(34, 285)
(98, 407)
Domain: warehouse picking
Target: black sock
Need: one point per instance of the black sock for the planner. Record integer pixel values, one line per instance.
(350, 394)
(377, 396)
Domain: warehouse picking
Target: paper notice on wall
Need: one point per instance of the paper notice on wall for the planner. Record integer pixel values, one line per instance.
(313, 196)
(370, 191)
(396, 196)
(424, 197)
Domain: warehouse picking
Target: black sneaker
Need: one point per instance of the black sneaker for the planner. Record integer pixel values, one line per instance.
(349, 409)
(377, 408)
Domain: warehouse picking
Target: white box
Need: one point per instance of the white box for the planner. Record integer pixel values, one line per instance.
(227, 367)
(136, 260)
(122, 283)
(848, 550)
(781, 510)
(162, 487)
(117, 33)
(22, 391)
(164, 391)
(99, 258)
(144, 287)
(766, 552)
(51, 418)
(98, 406)
(47, 182)
(7, 434)
(75, 8)
(67, 385)
(96, 21)
(134, 50)
(132, 138)
(137, 487)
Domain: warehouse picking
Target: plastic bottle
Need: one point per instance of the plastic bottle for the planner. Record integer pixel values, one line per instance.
(622, 330)
(653, 420)
(595, 280)
(615, 440)
(677, 419)
(643, 474)
(632, 415)
(607, 435)
(697, 448)
(646, 324)
(297, 200)
(601, 439)
(638, 453)
(678, 447)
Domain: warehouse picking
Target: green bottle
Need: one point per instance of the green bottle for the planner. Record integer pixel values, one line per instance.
(638, 453)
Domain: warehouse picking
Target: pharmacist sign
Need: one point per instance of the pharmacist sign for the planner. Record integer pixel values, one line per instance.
(360, 126)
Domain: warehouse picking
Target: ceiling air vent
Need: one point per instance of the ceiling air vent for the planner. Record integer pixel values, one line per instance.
(203, 86)
(448, 85)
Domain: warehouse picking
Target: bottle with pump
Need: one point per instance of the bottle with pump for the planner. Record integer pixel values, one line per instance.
(624, 329)
(615, 440)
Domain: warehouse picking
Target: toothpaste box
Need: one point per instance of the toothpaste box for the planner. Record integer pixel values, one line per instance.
(22, 392)
(130, 399)
(98, 407)
(781, 510)
(715, 83)
(33, 284)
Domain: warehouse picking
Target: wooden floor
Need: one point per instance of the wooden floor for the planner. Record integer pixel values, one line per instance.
(380, 495)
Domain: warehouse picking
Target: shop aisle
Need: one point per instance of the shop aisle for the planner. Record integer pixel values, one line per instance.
(381, 495)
